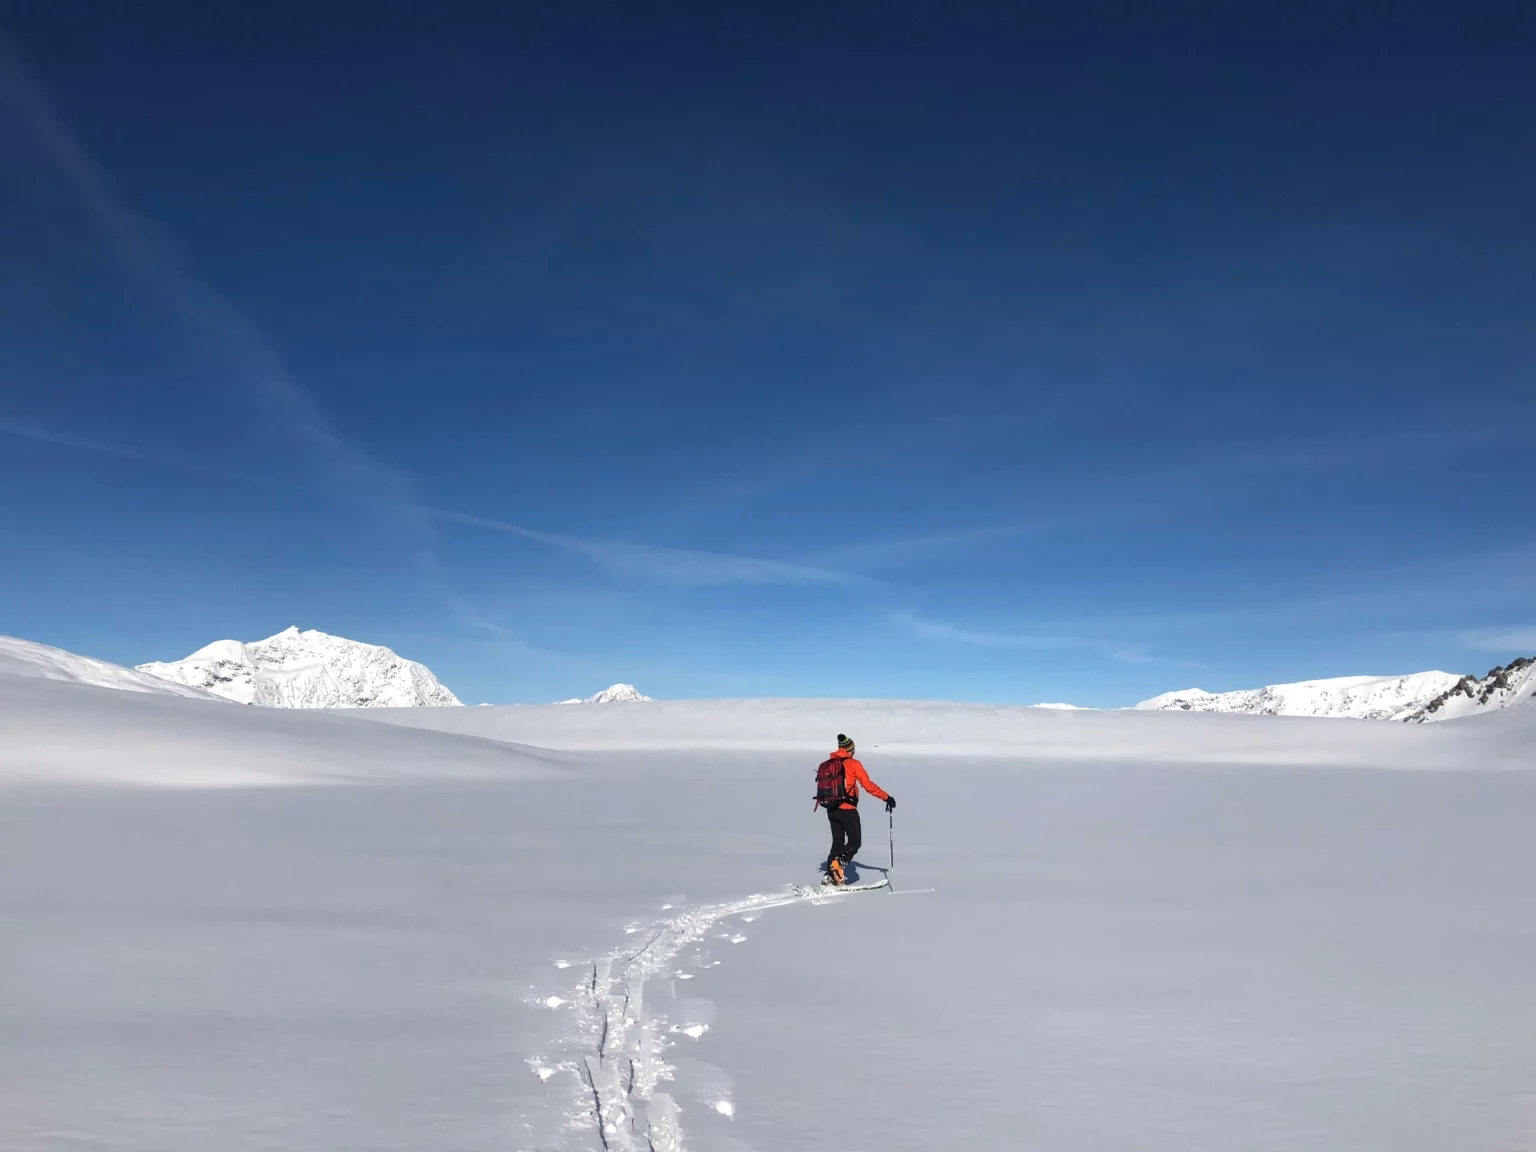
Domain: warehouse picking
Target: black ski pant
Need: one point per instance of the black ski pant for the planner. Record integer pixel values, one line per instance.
(847, 835)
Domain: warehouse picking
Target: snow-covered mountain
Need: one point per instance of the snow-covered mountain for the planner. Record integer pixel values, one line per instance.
(613, 694)
(40, 661)
(1414, 698)
(307, 670)
(1514, 683)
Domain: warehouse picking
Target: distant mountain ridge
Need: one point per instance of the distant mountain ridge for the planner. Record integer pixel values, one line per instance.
(1509, 684)
(613, 694)
(310, 669)
(1414, 699)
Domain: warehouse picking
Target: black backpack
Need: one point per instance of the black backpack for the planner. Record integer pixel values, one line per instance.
(832, 784)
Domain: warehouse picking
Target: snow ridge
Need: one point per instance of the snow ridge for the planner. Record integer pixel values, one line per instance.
(1352, 697)
(613, 694)
(622, 1045)
(1503, 686)
(44, 662)
(311, 669)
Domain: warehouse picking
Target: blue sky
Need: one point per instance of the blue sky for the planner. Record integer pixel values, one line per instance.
(1071, 352)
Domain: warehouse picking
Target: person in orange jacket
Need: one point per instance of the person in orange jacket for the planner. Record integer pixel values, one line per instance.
(847, 834)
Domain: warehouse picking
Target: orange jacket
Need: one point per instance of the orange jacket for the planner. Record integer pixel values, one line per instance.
(854, 776)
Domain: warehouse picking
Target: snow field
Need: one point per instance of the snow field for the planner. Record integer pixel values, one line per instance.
(1275, 942)
(906, 728)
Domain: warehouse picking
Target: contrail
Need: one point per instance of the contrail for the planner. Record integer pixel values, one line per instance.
(678, 567)
(674, 567)
(351, 475)
(225, 330)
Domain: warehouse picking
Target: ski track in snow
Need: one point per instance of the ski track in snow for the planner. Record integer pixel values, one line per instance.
(621, 1058)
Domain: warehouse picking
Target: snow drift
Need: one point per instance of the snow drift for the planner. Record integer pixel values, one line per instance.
(307, 670)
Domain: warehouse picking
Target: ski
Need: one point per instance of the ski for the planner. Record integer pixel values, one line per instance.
(812, 890)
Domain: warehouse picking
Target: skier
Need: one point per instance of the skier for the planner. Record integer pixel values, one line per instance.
(837, 789)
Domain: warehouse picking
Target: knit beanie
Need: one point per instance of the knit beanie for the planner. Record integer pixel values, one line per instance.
(843, 743)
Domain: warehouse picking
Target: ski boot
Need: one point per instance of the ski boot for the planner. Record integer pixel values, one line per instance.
(835, 875)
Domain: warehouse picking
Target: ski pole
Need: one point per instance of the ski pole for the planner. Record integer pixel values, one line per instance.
(891, 875)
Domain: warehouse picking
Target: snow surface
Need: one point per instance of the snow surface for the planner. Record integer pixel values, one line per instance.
(74, 734)
(1353, 697)
(27, 658)
(1118, 930)
(908, 728)
(307, 670)
(613, 694)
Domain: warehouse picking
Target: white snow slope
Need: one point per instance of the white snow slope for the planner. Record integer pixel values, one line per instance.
(307, 670)
(27, 658)
(1150, 931)
(1353, 697)
(613, 694)
(1503, 687)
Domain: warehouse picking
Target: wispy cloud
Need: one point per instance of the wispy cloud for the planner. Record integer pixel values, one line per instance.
(227, 333)
(1097, 502)
(908, 551)
(677, 567)
(1138, 654)
(1034, 641)
(25, 431)
(1510, 641)
(1037, 642)
(253, 365)
(1384, 448)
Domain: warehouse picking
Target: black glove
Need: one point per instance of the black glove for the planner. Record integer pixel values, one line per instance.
(890, 803)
